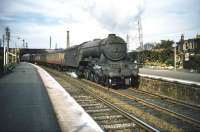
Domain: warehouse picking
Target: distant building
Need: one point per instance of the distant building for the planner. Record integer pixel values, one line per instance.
(188, 51)
(190, 45)
(148, 46)
(139, 48)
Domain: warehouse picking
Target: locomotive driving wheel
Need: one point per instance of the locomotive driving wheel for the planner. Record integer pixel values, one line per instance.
(86, 74)
(91, 76)
(108, 82)
(96, 78)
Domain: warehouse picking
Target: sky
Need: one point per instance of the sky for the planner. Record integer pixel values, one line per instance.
(35, 21)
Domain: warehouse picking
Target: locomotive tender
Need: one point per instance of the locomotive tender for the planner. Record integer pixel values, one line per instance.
(103, 61)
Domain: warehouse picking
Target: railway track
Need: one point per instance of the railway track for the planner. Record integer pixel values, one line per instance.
(147, 103)
(182, 111)
(172, 100)
(107, 115)
(188, 111)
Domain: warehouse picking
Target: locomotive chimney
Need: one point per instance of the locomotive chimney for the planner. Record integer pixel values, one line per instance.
(68, 40)
(111, 35)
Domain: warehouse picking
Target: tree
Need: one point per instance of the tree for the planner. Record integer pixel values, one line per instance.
(166, 44)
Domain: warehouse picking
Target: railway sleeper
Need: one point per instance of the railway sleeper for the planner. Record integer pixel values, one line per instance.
(113, 121)
(120, 126)
(85, 100)
(83, 97)
(91, 105)
(103, 114)
(96, 107)
(96, 118)
(98, 110)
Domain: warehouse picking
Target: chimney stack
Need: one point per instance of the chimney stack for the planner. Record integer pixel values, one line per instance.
(50, 42)
(68, 44)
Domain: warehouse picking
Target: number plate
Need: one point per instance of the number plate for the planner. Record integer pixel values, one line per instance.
(127, 82)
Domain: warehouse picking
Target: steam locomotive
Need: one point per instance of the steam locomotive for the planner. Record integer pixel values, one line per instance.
(103, 61)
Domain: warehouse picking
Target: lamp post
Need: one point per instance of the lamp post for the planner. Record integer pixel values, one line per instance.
(8, 36)
(174, 45)
(8, 39)
(23, 43)
(4, 54)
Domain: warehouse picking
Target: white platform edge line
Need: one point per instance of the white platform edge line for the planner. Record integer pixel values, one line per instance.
(71, 116)
(171, 79)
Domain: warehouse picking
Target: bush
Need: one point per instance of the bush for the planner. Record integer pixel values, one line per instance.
(169, 62)
(193, 63)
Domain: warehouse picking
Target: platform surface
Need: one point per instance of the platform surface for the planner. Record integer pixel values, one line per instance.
(195, 77)
(24, 101)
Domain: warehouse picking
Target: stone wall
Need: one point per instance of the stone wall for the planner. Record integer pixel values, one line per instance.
(186, 93)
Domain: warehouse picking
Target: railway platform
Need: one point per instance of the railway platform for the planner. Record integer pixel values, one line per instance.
(26, 104)
(170, 75)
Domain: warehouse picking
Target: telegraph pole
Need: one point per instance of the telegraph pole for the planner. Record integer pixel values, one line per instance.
(26, 44)
(140, 33)
(68, 44)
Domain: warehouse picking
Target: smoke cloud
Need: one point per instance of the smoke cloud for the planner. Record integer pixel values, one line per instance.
(116, 15)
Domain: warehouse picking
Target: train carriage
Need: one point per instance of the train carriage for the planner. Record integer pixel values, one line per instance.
(72, 57)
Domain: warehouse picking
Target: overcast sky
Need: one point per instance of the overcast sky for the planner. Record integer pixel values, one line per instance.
(36, 20)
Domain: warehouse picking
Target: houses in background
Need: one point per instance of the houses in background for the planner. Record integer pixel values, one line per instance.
(189, 45)
(188, 52)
